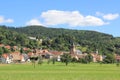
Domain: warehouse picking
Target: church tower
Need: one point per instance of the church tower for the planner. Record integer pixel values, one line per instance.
(72, 49)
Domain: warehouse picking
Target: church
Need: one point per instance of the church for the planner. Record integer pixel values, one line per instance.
(78, 54)
(74, 51)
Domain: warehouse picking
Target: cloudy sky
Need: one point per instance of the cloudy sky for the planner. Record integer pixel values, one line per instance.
(96, 15)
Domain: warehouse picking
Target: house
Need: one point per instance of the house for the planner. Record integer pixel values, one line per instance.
(30, 54)
(56, 54)
(97, 57)
(8, 47)
(2, 60)
(24, 57)
(45, 54)
(117, 57)
(26, 49)
(6, 58)
(15, 48)
(16, 57)
(32, 38)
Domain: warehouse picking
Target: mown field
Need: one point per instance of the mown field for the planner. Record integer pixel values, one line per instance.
(59, 72)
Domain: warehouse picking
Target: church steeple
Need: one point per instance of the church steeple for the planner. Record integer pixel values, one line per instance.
(72, 49)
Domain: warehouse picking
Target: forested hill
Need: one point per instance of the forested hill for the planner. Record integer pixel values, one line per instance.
(61, 39)
(55, 32)
(12, 38)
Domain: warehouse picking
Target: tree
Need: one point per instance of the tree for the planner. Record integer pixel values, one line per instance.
(66, 58)
(12, 49)
(49, 60)
(5, 50)
(40, 60)
(118, 63)
(21, 50)
(53, 60)
(110, 58)
(74, 60)
(1, 51)
(33, 60)
(88, 58)
(82, 60)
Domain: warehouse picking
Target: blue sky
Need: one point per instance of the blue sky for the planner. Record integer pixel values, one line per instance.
(96, 15)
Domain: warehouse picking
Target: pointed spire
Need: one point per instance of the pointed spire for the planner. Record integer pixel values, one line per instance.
(72, 49)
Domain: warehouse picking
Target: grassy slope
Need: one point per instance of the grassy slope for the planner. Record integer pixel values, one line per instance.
(59, 72)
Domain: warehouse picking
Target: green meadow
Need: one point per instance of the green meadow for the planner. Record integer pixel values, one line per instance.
(59, 71)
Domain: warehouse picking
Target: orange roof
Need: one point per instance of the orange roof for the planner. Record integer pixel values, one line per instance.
(1, 45)
(25, 49)
(45, 50)
(15, 53)
(117, 57)
(5, 55)
(30, 54)
(15, 47)
(56, 52)
(8, 47)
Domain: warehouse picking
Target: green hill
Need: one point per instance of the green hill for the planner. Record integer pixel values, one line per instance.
(61, 39)
(13, 38)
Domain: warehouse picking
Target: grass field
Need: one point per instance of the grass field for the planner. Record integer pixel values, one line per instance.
(59, 72)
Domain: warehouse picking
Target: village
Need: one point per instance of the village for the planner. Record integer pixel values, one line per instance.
(17, 56)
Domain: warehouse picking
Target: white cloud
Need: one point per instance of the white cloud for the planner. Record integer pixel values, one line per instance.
(111, 16)
(72, 18)
(94, 21)
(3, 20)
(33, 22)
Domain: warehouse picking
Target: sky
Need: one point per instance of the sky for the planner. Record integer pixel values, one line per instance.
(96, 15)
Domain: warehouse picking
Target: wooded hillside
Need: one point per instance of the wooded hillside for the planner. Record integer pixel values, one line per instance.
(61, 39)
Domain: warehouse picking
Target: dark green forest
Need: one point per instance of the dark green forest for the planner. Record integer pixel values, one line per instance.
(60, 39)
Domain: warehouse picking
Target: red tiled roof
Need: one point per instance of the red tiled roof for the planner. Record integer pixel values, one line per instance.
(30, 54)
(5, 55)
(117, 57)
(8, 47)
(25, 49)
(56, 52)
